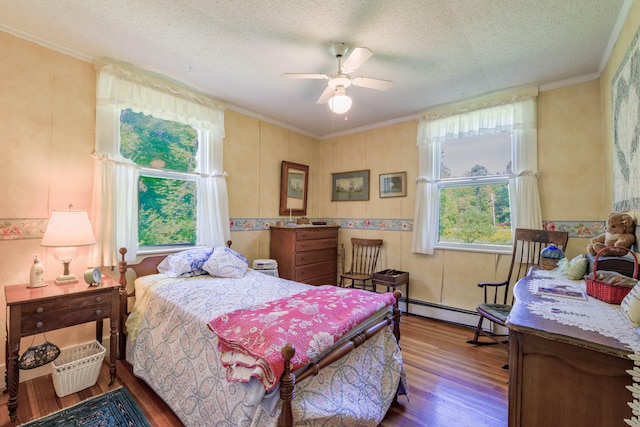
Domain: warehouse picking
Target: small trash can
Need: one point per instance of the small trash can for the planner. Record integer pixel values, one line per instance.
(77, 368)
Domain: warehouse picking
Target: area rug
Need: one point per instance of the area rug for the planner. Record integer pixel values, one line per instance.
(115, 408)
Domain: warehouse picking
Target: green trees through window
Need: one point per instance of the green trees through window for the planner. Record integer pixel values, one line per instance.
(475, 214)
(167, 212)
(167, 188)
(474, 190)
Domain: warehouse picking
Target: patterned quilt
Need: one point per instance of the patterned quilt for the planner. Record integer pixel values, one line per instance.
(176, 353)
(312, 321)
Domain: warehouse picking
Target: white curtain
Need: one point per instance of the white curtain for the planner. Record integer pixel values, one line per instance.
(213, 201)
(425, 224)
(115, 186)
(517, 116)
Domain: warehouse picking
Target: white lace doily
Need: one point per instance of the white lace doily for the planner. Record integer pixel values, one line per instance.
(597, 316)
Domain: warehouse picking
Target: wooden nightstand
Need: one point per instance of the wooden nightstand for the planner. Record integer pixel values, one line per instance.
(54, 307)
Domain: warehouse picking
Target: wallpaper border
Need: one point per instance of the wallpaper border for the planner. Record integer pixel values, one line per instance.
(33, 228)
(576, 229)
(22, 228)
(256, 224)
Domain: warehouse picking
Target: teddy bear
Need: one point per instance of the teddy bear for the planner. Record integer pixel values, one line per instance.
(619, 231)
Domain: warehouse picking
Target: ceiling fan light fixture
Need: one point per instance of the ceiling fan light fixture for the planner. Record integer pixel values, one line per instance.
(341, 80)
(334, 94)
(340, 104)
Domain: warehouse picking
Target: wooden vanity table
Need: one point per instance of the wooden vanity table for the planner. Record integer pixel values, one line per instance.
(561, 375)
(54, 306)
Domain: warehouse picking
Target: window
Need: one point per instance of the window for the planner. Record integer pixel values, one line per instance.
(167, 187)
(498, 136)
(473, 187)
(159, 178)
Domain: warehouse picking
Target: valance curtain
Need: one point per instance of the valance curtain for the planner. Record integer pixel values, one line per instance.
(517, 116)
(115, 184)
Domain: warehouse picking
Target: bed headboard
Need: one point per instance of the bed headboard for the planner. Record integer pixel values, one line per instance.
(147, 266)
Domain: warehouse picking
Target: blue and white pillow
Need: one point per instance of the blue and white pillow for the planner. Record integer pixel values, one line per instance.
(234, 253)
(225, 262)
(186, 263)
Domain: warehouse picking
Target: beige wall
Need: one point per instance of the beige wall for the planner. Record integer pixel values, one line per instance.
(47, 126)
(253, 154)
(569, 140)
(47, 105)
(570, 145)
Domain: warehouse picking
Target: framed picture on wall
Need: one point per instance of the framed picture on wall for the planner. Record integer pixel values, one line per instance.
(294, 183)
(350, 186)
(393, 184)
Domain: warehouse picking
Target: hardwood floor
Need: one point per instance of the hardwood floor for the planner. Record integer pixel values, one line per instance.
(451, 383)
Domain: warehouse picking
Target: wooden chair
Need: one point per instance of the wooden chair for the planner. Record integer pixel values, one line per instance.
(364, 257)
(497, 306)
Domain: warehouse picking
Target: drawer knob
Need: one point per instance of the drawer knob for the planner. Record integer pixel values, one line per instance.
(39, 325)
(98, 299)
(39, 310)
(98, 312)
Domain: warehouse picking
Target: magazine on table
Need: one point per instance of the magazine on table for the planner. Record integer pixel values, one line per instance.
(564, 290)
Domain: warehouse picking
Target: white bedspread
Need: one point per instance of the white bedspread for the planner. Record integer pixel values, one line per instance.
(176, 354)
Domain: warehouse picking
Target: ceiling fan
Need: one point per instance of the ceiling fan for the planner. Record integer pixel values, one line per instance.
(335, 93)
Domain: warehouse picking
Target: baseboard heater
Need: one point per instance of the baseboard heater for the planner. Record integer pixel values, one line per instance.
(458, 316)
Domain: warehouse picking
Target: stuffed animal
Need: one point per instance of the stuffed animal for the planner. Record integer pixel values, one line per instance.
(619, 231)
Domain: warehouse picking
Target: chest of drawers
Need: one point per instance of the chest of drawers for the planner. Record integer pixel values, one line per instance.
(306, 254)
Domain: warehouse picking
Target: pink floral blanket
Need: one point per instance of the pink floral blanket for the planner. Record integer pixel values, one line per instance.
(312, 321)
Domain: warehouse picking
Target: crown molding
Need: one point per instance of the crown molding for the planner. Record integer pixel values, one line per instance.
(46, 43)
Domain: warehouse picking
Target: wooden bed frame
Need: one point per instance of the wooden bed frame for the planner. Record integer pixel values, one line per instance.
(288, 380)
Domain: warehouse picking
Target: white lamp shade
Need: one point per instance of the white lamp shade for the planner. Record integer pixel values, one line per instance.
(340, 104)
(68, 228)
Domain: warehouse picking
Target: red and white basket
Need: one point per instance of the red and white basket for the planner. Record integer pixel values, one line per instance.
(609, 292)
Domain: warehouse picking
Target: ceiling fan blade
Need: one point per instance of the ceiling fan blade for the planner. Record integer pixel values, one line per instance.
(305, 76)
(371, 83)
(356, 59)
(326, 95)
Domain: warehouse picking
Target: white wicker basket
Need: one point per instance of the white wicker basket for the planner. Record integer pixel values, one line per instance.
(77, 368)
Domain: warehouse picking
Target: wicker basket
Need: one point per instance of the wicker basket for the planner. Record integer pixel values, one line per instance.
(609, 292)
(77, 368)
(548, 263)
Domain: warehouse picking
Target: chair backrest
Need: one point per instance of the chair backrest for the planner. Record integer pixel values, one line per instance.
(527, 245)
(342, 256)
(364, 255)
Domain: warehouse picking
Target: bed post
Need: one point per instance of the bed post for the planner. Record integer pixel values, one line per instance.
(397, 315)
(287, 385)
(122, 268)
(396, 332)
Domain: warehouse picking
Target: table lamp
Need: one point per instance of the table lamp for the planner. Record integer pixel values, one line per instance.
(66, 230)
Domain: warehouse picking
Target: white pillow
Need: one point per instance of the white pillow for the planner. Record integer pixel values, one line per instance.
(225, 262)
(186, 263)
(630, 305)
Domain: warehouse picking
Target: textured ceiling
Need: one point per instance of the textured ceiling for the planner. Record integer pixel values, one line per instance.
(435, 51)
